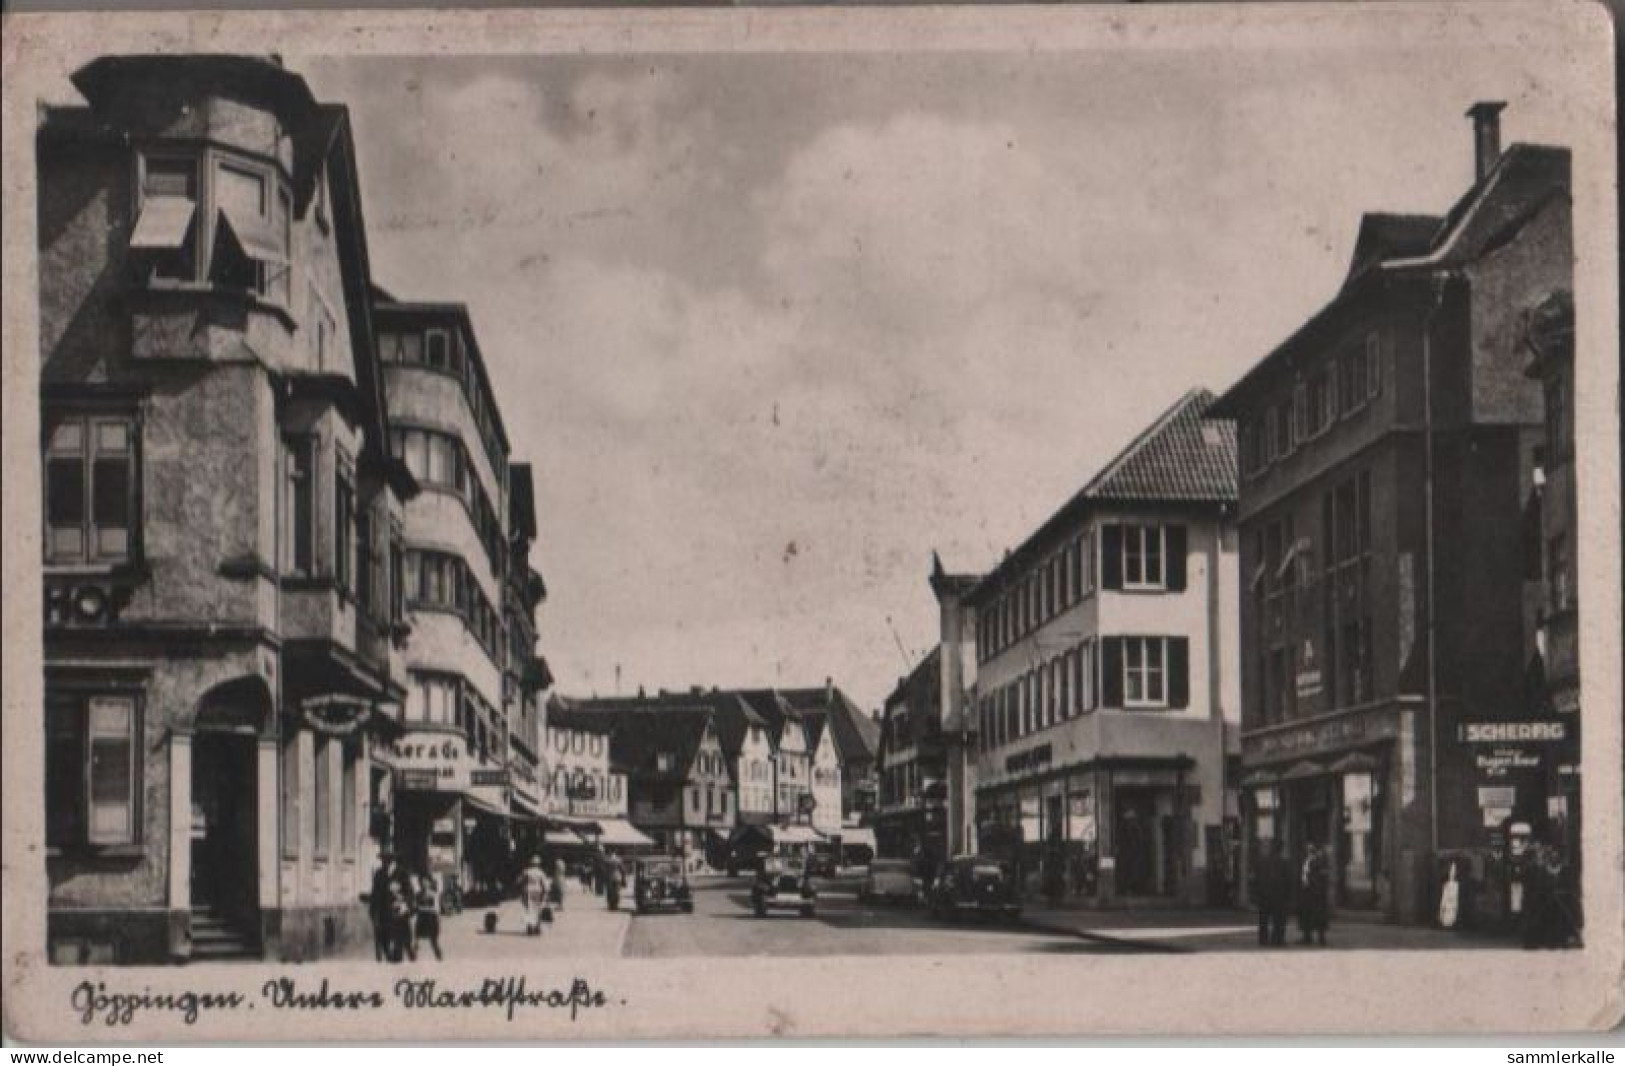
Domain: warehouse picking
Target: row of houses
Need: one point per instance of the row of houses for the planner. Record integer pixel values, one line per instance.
(1333, 606)
(289, 613)
(717, 775)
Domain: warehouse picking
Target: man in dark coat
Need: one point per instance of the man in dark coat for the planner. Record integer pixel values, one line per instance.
(1272, 891)
(383, 929)
(1314, 886)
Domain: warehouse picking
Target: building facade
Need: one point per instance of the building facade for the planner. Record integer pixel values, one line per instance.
(856, 736)
(910, 812)
(222, 517)
(452, 803)
(1388, 451)
(1106, 687)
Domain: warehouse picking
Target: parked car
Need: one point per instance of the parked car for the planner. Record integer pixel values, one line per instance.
(891, 880)
(783, 884)
(976, 884)
(659, 883)
(821, 864)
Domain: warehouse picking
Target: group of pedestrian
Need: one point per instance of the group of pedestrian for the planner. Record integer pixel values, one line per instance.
(1279, 884)
(1550, 915)
(404, 906)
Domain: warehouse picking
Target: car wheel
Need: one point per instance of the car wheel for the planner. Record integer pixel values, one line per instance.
(808, 912)
(688, 908)
(760, 908)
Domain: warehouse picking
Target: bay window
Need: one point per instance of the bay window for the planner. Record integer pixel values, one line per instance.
(232, 232)
(92, 776)
(90, 488)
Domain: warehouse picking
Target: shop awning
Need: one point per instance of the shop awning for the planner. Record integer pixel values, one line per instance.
(1355, 762)
(562, 838)
(485, 806)
(523, 807)
(1302, 770)
(618, 832)
(1260, 779)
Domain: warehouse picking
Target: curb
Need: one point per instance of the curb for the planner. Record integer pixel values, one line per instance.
(1144, 947)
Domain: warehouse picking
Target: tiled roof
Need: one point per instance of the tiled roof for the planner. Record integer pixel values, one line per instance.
(857, 737)
(1383, 235)
(646, 728)
(1180, 457)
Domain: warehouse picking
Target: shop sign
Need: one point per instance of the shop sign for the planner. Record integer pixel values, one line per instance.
(1308, 678)
(432, 762)
(1497, 796)
(1320, 737)
(1031, 759)
(1499, 762)
(1541, 732)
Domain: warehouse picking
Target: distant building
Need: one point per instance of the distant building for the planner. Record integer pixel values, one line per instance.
(856, 736)
(680, 793)
(586, 797)
(910, 814)
(1106, 684)
(1389, 449)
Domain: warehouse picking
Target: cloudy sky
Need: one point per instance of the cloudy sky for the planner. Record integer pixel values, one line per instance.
(773, 328)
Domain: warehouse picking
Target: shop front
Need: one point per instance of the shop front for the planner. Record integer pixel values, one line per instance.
(1351, 785)
(453, 816)
(1107, 830)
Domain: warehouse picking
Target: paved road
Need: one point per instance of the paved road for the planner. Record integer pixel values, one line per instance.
(722, 925)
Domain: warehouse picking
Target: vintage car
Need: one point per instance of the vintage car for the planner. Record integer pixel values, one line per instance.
(822, 864)
(976, 884)
(891, 881)
(783, 884)
(660, 883)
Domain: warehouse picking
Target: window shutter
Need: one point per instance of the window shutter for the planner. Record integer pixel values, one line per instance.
(1111, 556)
(1111, 672)
(1179, 668)
(1174, 564)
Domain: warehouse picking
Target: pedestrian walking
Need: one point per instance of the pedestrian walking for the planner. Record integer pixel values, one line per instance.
(1314, 884)
(533, 895)
(555, 890)
(400, 919)
(383, 944)
(427, 900)
(1272, 892)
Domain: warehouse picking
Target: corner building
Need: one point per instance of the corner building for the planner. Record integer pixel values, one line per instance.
(1106, 686)
(221, 517)
(1389, 449)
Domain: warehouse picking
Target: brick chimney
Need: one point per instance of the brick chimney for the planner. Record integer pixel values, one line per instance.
(1486, 116)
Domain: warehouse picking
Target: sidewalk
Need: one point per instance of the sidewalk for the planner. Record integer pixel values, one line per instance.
(583, 928)
(1228, 929)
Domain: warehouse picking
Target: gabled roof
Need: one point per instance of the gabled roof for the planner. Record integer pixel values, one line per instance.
(1182, 457)
(645, 729)
(857, 737)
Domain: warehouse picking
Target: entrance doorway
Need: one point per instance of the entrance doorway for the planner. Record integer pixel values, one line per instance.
(225, 830)
(1136, 833)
